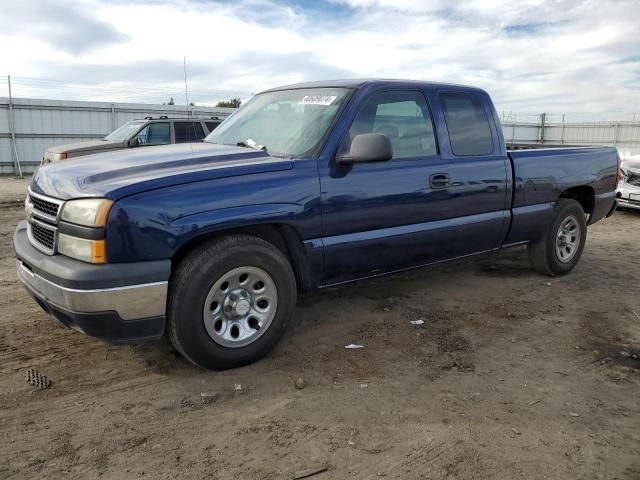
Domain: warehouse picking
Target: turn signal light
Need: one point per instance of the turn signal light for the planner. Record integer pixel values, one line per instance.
(97, 251)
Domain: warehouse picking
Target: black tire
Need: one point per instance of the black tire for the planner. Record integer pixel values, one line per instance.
(192, 281)
(543, 252)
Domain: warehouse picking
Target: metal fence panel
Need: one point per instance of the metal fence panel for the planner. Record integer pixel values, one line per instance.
(42, 123)
(625, 135)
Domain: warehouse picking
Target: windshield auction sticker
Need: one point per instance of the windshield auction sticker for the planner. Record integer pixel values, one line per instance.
(317, 100)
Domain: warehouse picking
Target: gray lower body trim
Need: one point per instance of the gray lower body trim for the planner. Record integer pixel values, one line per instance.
(129, 302)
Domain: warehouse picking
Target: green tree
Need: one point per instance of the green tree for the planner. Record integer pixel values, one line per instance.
(171, 102)
(232, 103)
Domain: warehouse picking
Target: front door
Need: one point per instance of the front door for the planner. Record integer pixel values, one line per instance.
(374, 215)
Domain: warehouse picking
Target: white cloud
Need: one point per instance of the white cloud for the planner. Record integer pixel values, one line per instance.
(531, 55)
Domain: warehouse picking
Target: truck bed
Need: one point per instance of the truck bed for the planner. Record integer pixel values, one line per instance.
(536, 146)
(540, 175)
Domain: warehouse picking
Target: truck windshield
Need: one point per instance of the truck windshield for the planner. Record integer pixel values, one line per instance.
(124, 132)
(288, 123)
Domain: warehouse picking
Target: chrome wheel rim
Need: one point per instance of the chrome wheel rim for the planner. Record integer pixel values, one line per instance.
(240, 307)
(568, 239)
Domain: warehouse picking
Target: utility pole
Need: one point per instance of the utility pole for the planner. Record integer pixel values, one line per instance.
(186, 90)
(17, 168)
(543, 119)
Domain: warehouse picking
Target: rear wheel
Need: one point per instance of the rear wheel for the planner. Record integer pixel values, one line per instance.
(230, 302)
(560, 249)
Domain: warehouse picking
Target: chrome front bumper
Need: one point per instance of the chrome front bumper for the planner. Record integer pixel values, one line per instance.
(129, 302)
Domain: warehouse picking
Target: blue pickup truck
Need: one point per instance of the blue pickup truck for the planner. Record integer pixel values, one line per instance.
(306, 186)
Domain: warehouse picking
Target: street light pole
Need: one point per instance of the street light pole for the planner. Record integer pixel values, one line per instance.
(17, 168)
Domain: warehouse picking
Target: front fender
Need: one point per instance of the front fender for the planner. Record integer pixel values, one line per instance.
(153, 225)
(161, 236)
(189, 227)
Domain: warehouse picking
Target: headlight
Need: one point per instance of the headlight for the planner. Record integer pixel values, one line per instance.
(89, 212)
(91, 251)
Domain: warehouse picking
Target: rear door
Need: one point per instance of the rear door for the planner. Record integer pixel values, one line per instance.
(479, 173)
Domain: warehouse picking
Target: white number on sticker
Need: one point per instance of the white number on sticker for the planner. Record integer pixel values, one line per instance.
(317, 100)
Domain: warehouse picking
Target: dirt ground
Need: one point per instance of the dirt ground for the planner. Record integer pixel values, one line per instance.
(512, 375)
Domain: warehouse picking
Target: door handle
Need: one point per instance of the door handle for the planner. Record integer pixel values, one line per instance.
(439, 180)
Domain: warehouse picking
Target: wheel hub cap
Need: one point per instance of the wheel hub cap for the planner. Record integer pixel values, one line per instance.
(240, 306)
(568, 239)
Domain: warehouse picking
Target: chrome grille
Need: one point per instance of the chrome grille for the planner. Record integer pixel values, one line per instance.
(44, 206)
(43, 235)
(42, 214)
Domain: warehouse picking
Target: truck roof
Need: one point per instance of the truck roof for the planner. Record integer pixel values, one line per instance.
(165, 117)
(360, 82)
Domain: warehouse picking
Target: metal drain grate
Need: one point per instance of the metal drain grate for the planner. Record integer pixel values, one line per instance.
(36, 379)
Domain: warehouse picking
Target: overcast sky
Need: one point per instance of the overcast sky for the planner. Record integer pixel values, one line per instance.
(531, 55)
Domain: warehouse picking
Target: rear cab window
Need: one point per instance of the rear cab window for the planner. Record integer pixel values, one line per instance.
(467, 124)
(186, 132)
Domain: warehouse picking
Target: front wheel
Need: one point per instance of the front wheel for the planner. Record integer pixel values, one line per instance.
(560, 249)
(230, 302)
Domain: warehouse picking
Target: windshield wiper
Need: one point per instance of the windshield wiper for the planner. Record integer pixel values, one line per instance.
(250, 143)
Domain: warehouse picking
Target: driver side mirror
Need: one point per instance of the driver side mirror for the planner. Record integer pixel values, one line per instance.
(134, 142)
(367, 147)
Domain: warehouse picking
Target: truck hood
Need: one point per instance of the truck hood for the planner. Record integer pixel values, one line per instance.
(124, 172)
(88, 146)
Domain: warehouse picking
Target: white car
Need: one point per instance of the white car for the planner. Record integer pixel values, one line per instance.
(629, 187)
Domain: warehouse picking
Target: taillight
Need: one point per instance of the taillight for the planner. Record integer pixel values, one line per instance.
(63, 156)
(619, 171)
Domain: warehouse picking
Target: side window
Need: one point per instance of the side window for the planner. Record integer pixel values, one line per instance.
(188, 132)
(403, 117)
(212, 125)
(469, 130)
(158, 133)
